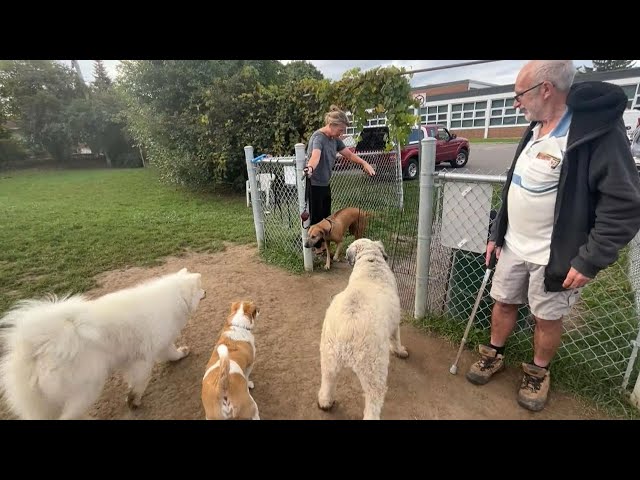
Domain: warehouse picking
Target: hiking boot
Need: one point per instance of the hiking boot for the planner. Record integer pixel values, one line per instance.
(490, 362)
(534, 388)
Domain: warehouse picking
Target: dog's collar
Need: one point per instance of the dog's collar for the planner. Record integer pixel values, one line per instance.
(330, 223)
(240, 326)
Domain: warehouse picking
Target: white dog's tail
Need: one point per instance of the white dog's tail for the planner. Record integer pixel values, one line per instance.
(36, 340)
(226, 407)
(223, 353)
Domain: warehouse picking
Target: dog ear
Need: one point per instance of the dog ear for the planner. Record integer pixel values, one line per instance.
(380, 245)
(325, 231)
(251, 309)
(352, 252)
(184, 270)
(235, 306)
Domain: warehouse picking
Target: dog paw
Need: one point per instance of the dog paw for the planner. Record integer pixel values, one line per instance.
(133, 400)
(250, 384)
(184, 350)
(326, 407)
(327, 267)
(402, 353)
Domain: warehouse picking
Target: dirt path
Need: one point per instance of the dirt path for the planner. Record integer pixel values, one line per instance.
(287, 372)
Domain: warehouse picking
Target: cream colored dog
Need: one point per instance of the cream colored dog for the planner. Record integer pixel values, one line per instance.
(360, 326)
(59, 352)
(226, 384)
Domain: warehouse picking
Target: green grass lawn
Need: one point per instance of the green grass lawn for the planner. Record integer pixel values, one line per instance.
(60, 228)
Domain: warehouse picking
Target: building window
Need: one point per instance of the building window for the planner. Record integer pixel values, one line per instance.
(468, 115)
(434, 115)
(503, 113)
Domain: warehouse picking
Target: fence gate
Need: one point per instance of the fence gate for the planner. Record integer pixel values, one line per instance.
(281, 199)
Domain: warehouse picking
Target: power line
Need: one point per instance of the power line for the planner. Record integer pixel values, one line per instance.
(443, 67)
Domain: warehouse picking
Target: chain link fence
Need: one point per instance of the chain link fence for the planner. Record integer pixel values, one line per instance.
(380, 196)
(596, 356)
(601, 333)
(278, 199)
(281, 193)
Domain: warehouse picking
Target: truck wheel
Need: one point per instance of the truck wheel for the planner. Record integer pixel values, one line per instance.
(461, 159)
(412, 170)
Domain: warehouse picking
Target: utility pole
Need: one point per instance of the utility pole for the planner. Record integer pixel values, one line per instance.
(76, 65)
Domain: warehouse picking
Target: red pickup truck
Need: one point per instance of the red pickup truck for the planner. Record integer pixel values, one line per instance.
(449, 147)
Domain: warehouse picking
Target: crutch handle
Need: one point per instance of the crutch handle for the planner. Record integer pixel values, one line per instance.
(493, 259)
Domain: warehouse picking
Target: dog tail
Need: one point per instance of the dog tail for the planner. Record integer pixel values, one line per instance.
(223, 353)
(38, 337)
(358, 229)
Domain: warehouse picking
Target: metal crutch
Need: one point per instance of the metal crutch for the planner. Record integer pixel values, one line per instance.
(492, 263)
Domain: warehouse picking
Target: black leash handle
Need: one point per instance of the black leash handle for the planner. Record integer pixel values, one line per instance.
(493, 259)
(304, 216)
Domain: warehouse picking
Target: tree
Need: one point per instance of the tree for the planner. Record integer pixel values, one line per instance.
(97, 121)
(101, 78)
(195, 117)
(182, 112)
(300, 69)
(606, 65)
(35, 94)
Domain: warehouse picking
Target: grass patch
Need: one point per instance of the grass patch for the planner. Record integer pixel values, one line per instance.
(61, 228)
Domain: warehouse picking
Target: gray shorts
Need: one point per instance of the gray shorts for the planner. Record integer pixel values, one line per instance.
(516, 281)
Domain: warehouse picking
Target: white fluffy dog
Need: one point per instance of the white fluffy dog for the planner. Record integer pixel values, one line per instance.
(360, 326)
(58, 353)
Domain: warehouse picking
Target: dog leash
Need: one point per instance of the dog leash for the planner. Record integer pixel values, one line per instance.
(304, 216)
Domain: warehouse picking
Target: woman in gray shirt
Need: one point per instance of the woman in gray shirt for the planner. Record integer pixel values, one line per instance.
(323, 147)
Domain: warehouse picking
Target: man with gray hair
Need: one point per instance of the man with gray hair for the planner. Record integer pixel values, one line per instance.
(570, 203)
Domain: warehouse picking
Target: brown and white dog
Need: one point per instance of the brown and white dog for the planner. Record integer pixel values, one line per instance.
(226, 384)
(334, 228)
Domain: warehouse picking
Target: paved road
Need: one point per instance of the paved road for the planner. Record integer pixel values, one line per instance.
(488, 158)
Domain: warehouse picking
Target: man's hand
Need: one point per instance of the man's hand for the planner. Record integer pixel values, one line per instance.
(575, 279)
(490, 247)
(369, 169)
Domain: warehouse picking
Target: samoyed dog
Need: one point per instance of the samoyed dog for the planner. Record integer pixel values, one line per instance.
(58, 353)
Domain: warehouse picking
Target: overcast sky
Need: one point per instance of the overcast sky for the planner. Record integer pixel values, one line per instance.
(501, 72)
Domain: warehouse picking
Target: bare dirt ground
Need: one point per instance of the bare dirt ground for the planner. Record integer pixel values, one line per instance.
(287, 371)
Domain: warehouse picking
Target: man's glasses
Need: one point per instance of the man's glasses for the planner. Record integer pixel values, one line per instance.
(518, 95)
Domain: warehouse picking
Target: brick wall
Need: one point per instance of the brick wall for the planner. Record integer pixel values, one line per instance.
(457, 88)
(507, 132)
(495, 132)
(469, 133)
(462, 87)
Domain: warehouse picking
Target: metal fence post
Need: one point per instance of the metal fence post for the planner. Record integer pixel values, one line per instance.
(301, 159)
(399, 175)
(425, 220)
(256, 204)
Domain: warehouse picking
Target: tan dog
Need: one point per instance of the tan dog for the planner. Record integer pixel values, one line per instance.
(226, 384)
(334, 228)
